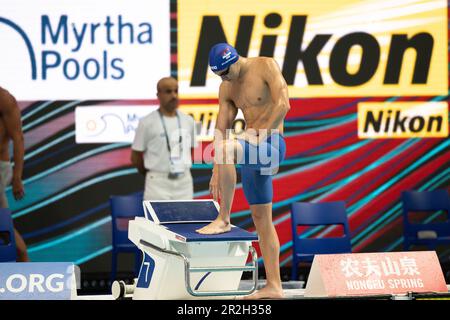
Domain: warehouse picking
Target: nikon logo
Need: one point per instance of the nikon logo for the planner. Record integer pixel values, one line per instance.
(322, 48)
(403, 120)
(212, 32)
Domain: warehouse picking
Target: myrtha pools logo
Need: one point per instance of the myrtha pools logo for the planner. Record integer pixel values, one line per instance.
(80, 50)
(62, 44)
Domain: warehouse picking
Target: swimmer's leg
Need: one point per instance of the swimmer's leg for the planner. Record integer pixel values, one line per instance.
(270, 250)
(258, 191)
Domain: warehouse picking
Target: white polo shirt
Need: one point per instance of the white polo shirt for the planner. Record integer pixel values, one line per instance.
(151, 140)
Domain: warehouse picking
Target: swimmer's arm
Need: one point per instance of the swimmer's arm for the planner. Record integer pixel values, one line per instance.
(227, 111)
(278, 92)
(13, 125)
(227, 114)
(137, 159)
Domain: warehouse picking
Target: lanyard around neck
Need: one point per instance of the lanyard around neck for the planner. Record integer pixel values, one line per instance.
(180, 140)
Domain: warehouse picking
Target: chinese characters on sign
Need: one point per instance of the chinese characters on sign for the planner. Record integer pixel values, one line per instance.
(369, 272)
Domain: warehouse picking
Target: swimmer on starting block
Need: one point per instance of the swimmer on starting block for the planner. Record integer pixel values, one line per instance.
(257, 87)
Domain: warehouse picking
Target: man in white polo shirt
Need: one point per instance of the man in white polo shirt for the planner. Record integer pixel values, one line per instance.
(161, 149)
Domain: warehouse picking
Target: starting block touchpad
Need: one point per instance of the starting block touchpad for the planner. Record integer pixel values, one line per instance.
(162, 212)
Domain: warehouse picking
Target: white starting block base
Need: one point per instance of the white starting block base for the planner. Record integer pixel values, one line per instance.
(168, 278)
(179, 263)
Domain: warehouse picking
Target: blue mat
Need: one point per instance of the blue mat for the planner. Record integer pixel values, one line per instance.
(187, 230)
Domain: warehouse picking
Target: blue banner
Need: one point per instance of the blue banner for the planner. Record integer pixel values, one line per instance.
(37, 281)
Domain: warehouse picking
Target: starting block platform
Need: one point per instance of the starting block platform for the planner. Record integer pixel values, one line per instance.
(178, 262)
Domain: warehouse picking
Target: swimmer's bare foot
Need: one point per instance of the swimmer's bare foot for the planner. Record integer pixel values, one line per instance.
(268, 292)
(215, 227)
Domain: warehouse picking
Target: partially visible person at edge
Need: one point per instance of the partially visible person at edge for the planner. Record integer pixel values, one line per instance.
(11, 130)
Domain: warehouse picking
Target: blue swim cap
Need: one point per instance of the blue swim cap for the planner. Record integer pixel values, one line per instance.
(221, 56)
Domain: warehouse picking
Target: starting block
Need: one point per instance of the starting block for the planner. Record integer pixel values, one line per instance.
(178, 262)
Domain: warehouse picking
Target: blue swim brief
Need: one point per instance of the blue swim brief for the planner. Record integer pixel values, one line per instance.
(258, 165)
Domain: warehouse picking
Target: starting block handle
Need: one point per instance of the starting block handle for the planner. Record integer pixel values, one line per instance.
(253, 268)
(187, 272)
